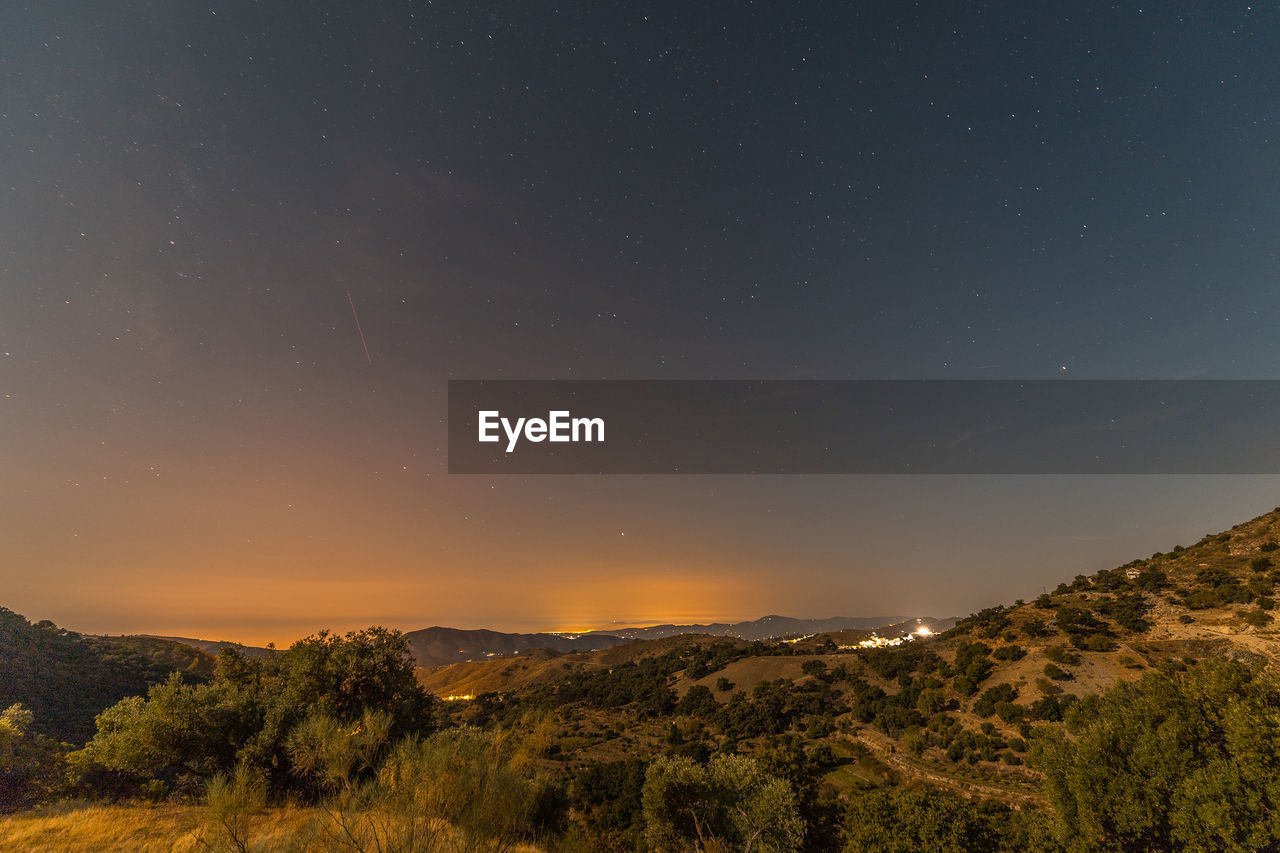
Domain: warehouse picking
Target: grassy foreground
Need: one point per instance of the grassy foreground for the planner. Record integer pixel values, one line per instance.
(162, 828)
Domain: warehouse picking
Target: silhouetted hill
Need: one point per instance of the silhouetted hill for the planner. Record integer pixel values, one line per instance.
(213, 647)
(65, 678)
(438, 646)
(765, 628)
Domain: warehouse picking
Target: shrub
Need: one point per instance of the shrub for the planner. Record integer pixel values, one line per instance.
(1010, 712)
(731, 802)
(925, 818)
(1060, 654)
(1047, 687)
(1098, 643)
(1057, 673)
(816, 667)
(985, 705)
(1169, 762)
(1256, 618)
(232, 801)
(1009, 653)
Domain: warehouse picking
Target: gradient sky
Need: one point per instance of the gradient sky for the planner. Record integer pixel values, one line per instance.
(193, 442)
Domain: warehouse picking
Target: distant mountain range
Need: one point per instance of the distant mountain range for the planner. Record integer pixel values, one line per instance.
(438, 646)
(765, 628)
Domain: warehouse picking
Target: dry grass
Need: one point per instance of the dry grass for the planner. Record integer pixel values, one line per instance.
(144, 829)
(90, 828)
(72, 828)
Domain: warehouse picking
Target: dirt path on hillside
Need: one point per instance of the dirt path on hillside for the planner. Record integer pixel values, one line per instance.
(885, 750)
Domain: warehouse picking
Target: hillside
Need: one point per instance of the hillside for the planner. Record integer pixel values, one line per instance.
(497, 674)
(1019, 728)
(65, 678)
(541, 666)
(956, 710)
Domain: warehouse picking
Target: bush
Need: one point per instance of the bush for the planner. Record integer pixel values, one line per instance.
(1047, 708)
(1127, 610)
(815, 667)
(1047, 687)
(1256, 618)
(1057, 673)
(914, 818)
(1152, 579)
(729, 802)
(698, 702)
(1035, 628)
(32, 765)
(1060, 654)
(971, 666)
(1010, 712)
(231, 802)
(1098, 643)
(1012, 652)
(1169, 762)
(985, 705)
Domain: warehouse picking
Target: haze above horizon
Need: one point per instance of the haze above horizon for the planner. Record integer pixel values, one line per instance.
(248, 247)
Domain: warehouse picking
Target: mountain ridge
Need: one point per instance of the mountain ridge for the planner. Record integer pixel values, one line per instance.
(768, 627)
(441, 645)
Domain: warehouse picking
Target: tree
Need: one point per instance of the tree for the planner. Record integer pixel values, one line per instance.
(1173, 761)
(905, 820)
(346, 676)
(31, 764)
(188, 733)
(178, 732)
(698, 702)
(731, 801)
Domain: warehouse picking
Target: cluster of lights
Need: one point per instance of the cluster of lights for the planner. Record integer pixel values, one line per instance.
(875, 641)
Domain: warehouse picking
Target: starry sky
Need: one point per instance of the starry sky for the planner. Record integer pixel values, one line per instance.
(195, 196)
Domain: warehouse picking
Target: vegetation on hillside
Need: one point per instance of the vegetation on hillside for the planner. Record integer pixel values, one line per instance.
(65, 678)
(1129, 710)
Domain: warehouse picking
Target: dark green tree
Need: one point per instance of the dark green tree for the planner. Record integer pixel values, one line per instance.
(730, 802)
(1171, 762)
(910, 819)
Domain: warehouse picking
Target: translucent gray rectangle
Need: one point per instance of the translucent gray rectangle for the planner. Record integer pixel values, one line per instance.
(868, 427)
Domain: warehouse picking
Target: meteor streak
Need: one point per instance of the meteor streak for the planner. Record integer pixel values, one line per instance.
(368, 357)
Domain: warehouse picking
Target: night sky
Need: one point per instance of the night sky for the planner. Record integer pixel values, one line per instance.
(193, 197)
